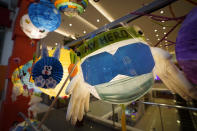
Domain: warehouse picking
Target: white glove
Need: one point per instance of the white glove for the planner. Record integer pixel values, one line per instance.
(171, 76)
(79, 101)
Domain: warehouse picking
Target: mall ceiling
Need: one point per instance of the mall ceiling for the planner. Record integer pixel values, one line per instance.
(103, 12)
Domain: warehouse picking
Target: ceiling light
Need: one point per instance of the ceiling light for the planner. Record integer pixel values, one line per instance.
(102, 10)
(55, 43)
(86, 22)
(166, 41)
(158, 39)
(84, 31)
(147, 39)
(164, 33)
(164, 28)
(155, 30)
(178, 121)
(73, 37)
(162, 21)
(166, 37)
(97, 20)
(157, 35)
(70, 24)
(161, 12)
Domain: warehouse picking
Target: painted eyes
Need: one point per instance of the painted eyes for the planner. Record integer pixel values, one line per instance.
(48, 68)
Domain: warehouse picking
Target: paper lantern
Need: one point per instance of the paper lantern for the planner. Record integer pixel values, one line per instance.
(44, 15)
(116, 66)
(48, 71)
(71, 7)
(65, 59)
(30, 30)
(186, 46)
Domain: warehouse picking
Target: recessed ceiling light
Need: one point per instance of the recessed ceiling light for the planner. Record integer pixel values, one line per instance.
(157, 35)
(164, 28)
(166, 37)
(161, 12)
(166, 41)
(97, 20)
(155, 30)
(70, 24)
(158, 39)
(84, 31)
(178, 121)
(147, 39)
(162, 21)
(55, 43)
(164, 33)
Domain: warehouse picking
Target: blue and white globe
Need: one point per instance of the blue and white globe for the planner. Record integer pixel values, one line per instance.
(44, 15)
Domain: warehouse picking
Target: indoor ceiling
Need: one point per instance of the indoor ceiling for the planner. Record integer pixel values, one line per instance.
(103, 12)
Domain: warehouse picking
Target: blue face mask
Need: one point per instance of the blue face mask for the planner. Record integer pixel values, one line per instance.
(133, 61)
(130, 60)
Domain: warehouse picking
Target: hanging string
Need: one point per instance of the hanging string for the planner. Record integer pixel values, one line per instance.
(159, 23)
(159, 18)
(192, 2)
(172, 43)
(171, 11)
(168, 33)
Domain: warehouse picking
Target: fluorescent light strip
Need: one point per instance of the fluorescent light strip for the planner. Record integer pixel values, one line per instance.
(62, 32)
(102, 10)
(86, 22)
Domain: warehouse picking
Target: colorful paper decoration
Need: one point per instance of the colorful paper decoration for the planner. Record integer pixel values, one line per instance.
(23, 126)
(48, 71)
(30, 30)
(71, 7)
(66, 59)
(116, 66)
(44, 15)
(186, 46)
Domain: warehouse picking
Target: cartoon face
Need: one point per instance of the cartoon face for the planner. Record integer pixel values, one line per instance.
(47, 70)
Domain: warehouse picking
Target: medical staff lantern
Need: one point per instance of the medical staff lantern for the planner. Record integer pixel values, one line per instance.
(116, 67)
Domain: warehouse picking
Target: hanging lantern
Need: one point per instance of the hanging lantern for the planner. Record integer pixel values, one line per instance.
(48, 71)
(30, 30)
(44, 15)
(71, 7)
(117, 67)
(186, 46)
(66, 59)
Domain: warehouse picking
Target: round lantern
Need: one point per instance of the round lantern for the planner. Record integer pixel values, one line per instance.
(30, 30)
(66, 59)
(44, 15)
(117, 67)
(186, 46)
(71, 7)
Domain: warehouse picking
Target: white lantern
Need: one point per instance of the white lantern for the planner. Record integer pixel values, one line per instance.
(30, 30)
